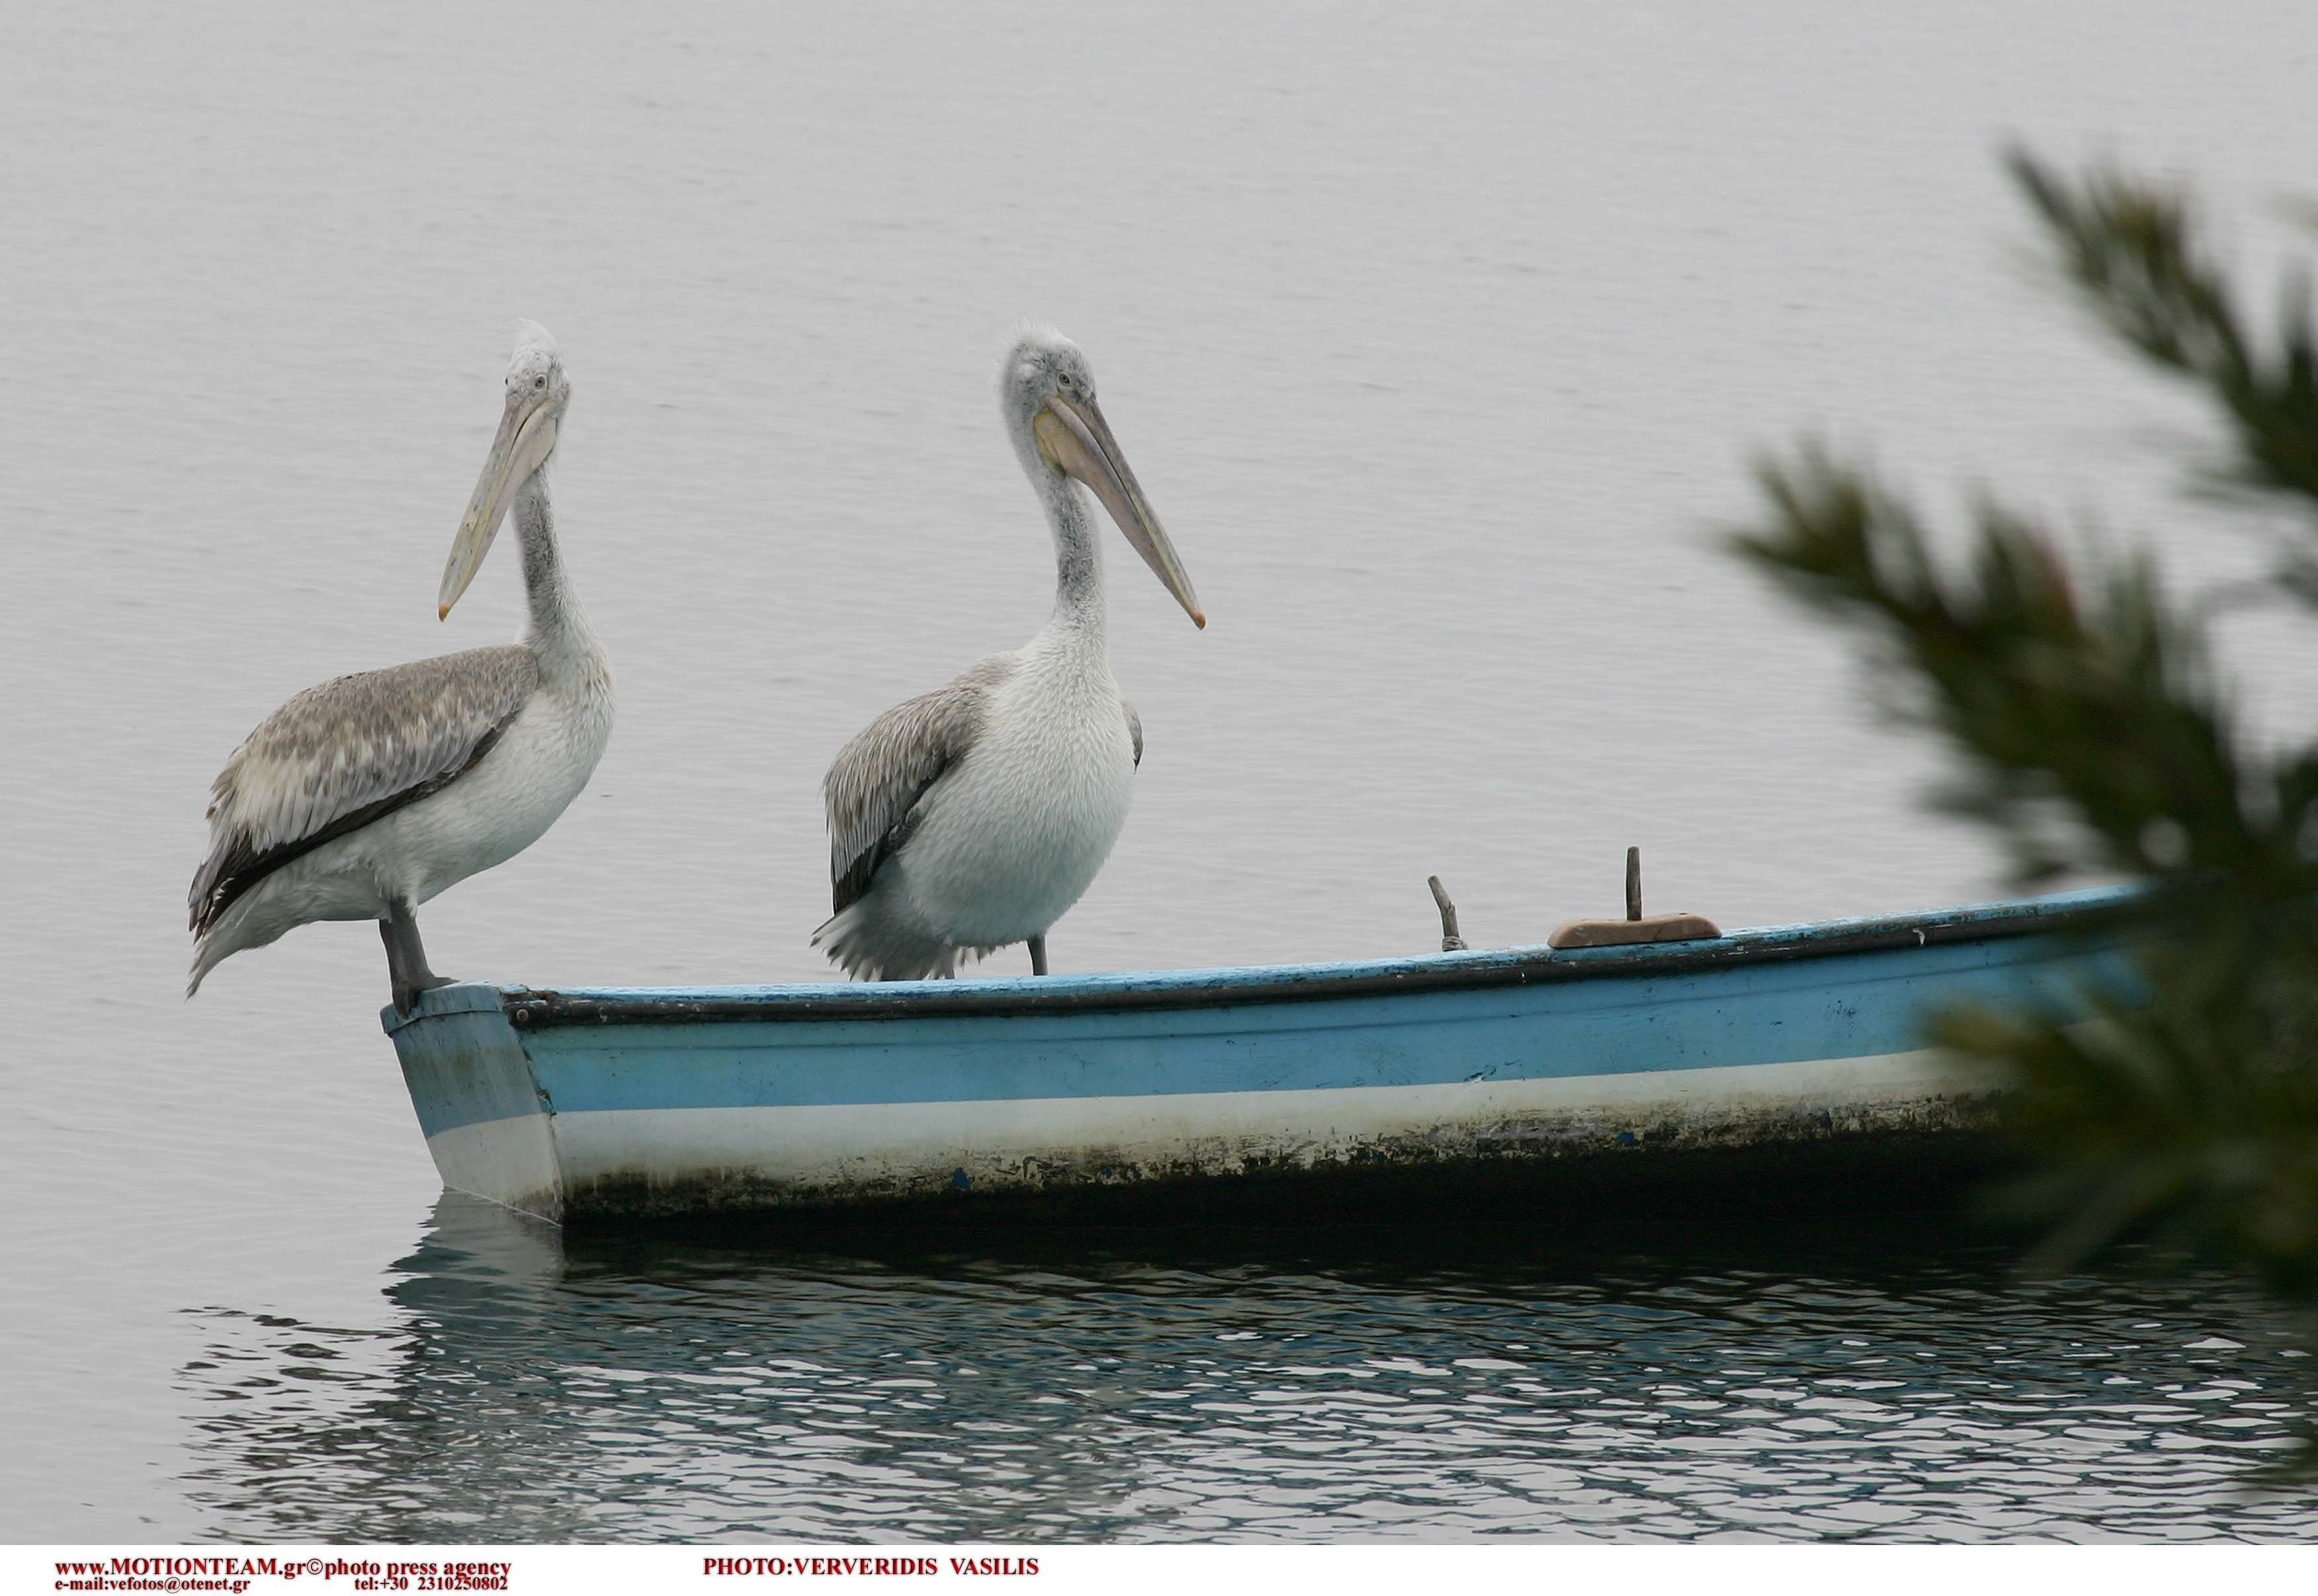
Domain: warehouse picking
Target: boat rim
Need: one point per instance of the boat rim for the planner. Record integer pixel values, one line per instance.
(545, 1008)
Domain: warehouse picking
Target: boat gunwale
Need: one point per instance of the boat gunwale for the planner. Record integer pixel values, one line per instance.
(534, 1009)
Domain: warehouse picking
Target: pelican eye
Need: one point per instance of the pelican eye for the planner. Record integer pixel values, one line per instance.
(1064, 378)
(539, 382)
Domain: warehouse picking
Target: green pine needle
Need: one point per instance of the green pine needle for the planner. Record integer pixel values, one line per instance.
(2089, 732)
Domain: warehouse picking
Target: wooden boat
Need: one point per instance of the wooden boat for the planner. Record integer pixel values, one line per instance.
(631, 1101)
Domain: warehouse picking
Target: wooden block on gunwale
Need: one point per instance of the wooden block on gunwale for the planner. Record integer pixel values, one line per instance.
(1654, 928)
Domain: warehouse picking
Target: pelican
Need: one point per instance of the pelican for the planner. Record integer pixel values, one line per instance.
(973, 817)
(363, 798)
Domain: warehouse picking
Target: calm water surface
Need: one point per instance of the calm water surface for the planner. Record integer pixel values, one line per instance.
(1362, 1383)
(1441, 346)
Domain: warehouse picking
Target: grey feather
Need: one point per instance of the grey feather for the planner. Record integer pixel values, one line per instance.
(339, 756)
(873, 786)
(1134, 730)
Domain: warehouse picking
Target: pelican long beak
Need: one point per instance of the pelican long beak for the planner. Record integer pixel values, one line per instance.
(526, 438)
(1075, 439)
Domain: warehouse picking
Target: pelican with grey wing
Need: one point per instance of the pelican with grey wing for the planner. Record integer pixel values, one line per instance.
(364, 797)
(974, 816)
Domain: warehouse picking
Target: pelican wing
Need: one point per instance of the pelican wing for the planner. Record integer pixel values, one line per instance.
(873, 789)
(1134, 730)
(340, 755)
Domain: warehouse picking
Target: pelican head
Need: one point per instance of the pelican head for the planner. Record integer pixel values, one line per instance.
(1048, 390)
(536, 392)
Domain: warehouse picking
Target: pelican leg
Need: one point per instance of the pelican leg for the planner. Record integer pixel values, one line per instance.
(406, 957)
(1038, 955)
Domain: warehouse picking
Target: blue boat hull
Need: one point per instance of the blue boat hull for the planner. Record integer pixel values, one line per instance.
(635, 1101)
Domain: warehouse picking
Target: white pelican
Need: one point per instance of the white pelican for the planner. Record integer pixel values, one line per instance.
(363, 798)
(973, 817)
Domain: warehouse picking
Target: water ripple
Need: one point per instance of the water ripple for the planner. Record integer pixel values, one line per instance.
(1371, 1384)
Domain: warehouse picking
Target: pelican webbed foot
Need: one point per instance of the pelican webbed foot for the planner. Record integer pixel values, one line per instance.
(406, 972)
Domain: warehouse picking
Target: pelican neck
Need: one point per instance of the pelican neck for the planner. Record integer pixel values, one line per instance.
(558, 631)
(1079, 605)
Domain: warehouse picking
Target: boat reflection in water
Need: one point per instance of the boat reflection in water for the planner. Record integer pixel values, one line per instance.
(1422, 1382)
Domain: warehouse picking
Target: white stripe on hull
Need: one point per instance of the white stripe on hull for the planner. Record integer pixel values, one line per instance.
(819, 1154)
(508, 1161)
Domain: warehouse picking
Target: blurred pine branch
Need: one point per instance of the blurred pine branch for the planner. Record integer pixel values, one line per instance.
(2090, 733)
